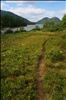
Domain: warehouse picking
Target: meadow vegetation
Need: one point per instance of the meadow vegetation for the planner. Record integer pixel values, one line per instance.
(19, 60)
(20, 54)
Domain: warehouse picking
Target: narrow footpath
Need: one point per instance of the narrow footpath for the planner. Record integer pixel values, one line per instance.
(40, 94)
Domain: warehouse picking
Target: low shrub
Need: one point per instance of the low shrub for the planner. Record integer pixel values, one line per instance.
(17, 72)
(22, 29)
(17, 31)
(8, 31)
(55, 54)
(36, 28)
(54, 83)
(52, 26)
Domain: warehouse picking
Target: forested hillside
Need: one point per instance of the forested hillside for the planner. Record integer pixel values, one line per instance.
(9, 19)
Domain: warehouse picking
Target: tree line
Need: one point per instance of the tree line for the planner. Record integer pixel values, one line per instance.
(10, 21)
(53, 26)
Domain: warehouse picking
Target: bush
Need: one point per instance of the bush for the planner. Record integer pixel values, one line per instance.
(17, 31)
(55, 55)
(58, 27)
(17, 72)
(49, 26)
(22, 29)
(36, 28)
(64, 21)
(54, 83)
(8, 31)
(52, 26)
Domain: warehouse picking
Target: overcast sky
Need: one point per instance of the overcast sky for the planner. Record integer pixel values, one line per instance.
(35, 10)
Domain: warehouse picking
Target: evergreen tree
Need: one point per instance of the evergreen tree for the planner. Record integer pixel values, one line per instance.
(10, 21)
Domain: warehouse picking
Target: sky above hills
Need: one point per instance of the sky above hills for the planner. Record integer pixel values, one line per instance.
(35, 10)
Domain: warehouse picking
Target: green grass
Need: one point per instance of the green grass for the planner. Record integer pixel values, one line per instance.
(19, 59)
(55, 67)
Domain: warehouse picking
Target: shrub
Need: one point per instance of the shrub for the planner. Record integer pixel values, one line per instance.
(55, 54)
(17, 31)
(4, 72)
(49, 26)
(52, 26)
(54, 83)
(58, 27)
(64, 21)
(8, 31)
(22, 29)
(36, 28)
(17, 72)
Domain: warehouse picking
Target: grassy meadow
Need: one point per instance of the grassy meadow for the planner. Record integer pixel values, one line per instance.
(20, 53)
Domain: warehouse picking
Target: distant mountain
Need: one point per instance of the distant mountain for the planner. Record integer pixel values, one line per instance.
(9, 19)
(42, 21)
(56, 19)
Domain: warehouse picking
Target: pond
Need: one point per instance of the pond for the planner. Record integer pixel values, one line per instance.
(30, 27)
(27, 28)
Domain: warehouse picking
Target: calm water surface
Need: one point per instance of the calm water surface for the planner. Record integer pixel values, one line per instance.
(30, 27)
(27, 28)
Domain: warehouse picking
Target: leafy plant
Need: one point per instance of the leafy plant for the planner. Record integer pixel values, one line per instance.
(55, 54)
(36, 28)
(22, 29)
(8, 31)
(64, 21)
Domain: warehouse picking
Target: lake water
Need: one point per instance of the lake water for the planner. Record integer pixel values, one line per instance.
(30, 27)
(27, 28)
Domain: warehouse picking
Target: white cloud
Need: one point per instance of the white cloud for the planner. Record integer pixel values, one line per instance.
(29, 12)
(62, 12)
(50, 13)
(34, 14)
(3, 5)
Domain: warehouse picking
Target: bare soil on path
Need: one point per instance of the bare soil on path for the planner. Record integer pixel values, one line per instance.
(40, 94)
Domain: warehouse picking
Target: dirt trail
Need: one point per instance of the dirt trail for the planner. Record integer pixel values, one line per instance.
(40, 95)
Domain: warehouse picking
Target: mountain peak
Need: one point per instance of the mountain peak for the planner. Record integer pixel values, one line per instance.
(42, 21)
